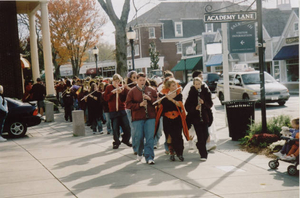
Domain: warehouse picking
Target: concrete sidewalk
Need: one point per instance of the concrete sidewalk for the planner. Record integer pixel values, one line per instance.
(50, 162)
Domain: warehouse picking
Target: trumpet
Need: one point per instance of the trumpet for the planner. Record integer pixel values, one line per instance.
(165, 96)
(67, 91)
(87, 95)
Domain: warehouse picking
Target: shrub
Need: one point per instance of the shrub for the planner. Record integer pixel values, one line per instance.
(273, 127)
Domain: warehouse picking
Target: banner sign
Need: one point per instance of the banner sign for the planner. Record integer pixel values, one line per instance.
(229, 17)
(242, 37)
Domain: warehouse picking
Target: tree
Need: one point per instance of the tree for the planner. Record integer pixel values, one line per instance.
(153, 56)
(120, 34)
(106, 52)
(75, 27)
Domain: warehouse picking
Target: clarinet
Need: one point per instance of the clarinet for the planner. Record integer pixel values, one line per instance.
(146, 108)
(200, 109)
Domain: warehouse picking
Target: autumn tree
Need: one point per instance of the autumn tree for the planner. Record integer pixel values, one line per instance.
(75, 27)
(120, 33)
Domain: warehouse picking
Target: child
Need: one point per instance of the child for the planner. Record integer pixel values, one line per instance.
(287, 147)
(197, 105)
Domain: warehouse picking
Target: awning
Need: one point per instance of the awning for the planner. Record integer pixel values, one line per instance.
(215, 60)
(24, 62)
(288, 52)
(189, 64)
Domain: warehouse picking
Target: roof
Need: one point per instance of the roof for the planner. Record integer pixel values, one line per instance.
(275, 20)
(177, 11)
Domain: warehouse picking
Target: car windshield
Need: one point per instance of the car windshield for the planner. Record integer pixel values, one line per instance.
(204, 76)
(254, 78)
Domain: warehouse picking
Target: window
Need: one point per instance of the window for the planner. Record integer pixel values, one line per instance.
(136, 34)
(178, 29)
(136, 50)
(292, 70)
(296, 26)
(179, 48)
(276, 70)
(152, 32)
(209, 27)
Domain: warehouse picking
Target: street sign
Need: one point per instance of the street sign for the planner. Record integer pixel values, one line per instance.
(242, 37)
(225, 17)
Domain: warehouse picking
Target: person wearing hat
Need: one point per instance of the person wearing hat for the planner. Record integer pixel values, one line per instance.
(39, 92)
(3, 113)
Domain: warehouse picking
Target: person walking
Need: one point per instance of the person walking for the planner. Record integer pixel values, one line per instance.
(197, 105)
(68, 96)
(115, 96)
(174, 119)
(39, 92)
(139, 101)
(3, 113)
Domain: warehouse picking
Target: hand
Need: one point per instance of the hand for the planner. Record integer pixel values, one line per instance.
(201, 101)
(143, 104)
(146, 97)
(197, 107)
(169, 97)
(120, 90)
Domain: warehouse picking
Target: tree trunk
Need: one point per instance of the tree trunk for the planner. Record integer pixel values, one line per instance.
(121, 49)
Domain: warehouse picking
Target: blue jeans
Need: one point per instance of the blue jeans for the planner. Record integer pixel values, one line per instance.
(144, 129)
(108, 122)
(3, 116)
(99, 124)
(133, 136)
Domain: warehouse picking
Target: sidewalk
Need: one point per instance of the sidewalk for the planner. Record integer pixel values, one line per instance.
(50, 162)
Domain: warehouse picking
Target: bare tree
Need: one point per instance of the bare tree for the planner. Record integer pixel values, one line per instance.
(120, 34)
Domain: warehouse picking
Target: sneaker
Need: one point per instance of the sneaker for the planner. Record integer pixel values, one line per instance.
(167, 152)
(115, 145)
(180, 158)
(155, 147)
(289, 158)
(151, 162)
(210, 146)
(203, 159)
(172, 158)
(278, 154)
(127, 143)
(134, 153)
(2, 139)
(101, 132)
(139, 158)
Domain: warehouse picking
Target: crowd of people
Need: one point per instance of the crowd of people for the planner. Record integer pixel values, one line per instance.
(138, 109)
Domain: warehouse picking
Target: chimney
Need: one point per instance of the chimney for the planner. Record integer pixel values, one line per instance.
(284, 4)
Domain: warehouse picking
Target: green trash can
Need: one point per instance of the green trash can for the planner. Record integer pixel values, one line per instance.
(240, 114)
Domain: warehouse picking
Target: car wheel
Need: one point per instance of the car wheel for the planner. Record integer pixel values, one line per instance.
(221, 98)
(246, 97)
(281, 103)
(17, 129)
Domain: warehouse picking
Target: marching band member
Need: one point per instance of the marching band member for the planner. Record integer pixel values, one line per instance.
(174, 119)
(197, 105)
(139, 100)
(115, 96)
(68, 97)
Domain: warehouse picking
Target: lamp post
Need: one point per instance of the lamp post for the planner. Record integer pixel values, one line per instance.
(131, 36)
(95, 52)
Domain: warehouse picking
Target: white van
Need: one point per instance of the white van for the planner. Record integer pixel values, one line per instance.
(246, 85)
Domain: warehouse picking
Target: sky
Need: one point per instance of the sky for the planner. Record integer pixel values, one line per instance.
(145, 5)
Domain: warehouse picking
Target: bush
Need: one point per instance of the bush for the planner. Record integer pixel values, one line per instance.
(273, 127)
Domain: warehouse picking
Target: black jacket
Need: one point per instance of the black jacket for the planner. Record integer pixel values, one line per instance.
(191, 103)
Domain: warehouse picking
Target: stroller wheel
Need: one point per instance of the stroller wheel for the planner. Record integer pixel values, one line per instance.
(292, 170)
(273, 164)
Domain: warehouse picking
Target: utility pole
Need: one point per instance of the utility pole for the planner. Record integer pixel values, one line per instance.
(261, 65)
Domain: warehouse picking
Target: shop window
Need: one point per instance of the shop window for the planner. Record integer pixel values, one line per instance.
(292, 70)
(209, 27)
(276, 70)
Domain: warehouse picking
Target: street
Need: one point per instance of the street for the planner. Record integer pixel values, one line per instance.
(50, 162)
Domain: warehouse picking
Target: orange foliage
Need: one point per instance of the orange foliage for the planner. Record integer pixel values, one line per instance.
(75, 27)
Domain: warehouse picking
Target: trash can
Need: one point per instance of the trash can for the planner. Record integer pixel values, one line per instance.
(240, 114)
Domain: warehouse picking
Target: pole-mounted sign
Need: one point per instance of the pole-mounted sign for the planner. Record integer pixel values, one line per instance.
(224, 17)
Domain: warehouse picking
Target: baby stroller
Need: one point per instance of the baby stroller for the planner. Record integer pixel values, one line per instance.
(292, 169)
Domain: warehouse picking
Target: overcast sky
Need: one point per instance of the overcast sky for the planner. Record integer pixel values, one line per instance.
(145, 5)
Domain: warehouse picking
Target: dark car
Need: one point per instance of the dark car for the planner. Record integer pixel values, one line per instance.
(20, 116)
(211, 79)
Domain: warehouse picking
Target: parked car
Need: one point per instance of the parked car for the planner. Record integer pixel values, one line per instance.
(20, 116)
(246, 85)
(211, 79)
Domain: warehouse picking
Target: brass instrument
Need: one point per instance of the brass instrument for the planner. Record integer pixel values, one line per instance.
(165, 96)
(67, 91)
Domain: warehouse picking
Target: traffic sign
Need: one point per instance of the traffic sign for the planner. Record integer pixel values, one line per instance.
(224, 17)
(242, 37)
